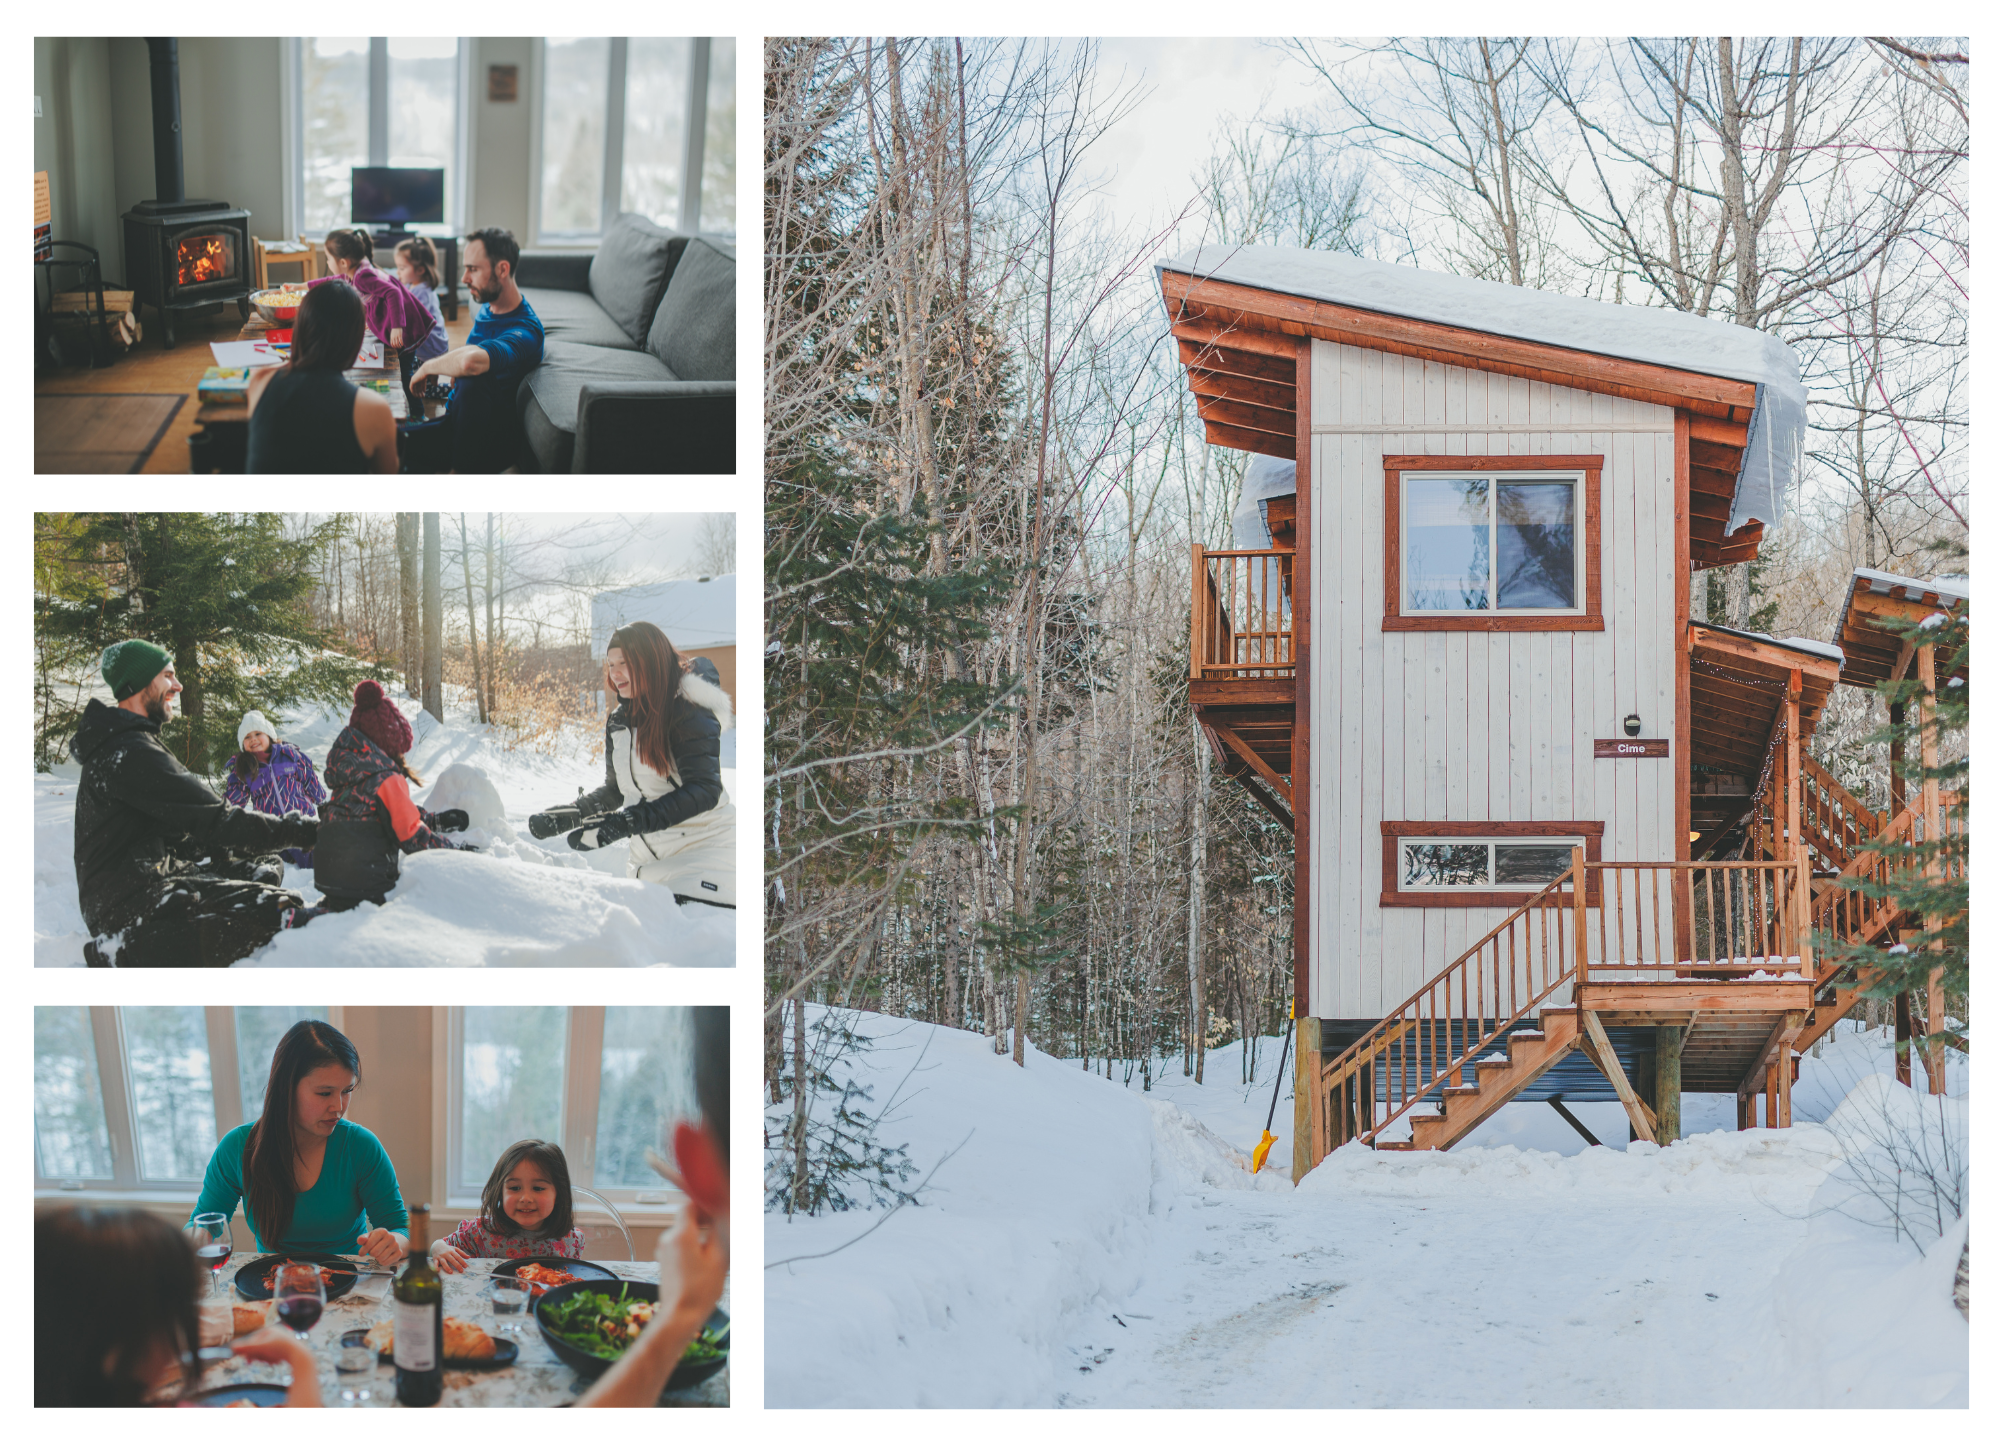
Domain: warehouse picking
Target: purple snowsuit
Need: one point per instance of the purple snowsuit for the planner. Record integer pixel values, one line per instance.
(284, 783)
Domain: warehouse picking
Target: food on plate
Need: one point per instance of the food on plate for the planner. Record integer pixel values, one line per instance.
(463, 1340)
(598, 1323)
(705, 1346)
(327, 1273)
(544, 1277)
(248, 1319)
(243, 1404)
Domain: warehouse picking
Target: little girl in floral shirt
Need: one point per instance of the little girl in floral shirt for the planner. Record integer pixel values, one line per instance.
(524, 1210)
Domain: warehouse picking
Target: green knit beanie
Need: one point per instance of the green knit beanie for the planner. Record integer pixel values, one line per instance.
(130, 665)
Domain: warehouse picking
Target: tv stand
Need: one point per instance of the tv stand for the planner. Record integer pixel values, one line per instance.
(386, 239)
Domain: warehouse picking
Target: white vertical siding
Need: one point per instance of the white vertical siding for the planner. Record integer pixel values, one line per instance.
(1470, 725)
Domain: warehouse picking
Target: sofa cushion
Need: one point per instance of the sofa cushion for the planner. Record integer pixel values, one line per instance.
(631, 268)
(694, 332)
(566, 366)
(576, 317)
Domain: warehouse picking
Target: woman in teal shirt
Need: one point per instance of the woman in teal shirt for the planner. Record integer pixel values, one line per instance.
(309, 1179)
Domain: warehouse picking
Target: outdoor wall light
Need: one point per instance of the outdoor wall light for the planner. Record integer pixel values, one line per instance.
(1631, 724)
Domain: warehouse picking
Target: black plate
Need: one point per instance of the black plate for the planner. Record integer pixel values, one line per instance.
(250, 1279)
(505, 1352)
(585, 1269)
(589, 1366)
(264, 1396)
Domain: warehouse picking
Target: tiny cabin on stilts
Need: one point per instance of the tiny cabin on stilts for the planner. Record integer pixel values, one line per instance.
(1554, 838)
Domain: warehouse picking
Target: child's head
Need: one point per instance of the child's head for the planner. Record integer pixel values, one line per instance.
(416, 262)
(121, 1358)
(528, 1193)
(347, 249)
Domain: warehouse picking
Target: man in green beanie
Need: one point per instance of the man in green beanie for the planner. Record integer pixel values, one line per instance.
(153, 872)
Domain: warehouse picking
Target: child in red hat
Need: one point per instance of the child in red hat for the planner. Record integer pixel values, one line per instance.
(369, 817)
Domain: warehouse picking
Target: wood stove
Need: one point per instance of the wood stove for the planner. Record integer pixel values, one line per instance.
(182, 253)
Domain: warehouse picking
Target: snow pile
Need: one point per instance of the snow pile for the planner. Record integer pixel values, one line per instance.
(1093, 1246)
(520, 901)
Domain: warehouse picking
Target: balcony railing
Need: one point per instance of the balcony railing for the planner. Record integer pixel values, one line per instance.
(1242, 615)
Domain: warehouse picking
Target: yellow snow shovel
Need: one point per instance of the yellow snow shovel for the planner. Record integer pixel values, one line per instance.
(1264, 1146)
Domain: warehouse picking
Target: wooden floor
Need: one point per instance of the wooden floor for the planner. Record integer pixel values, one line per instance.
(150, 367)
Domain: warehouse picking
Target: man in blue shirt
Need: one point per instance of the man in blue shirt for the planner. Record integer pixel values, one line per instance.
(480, 430)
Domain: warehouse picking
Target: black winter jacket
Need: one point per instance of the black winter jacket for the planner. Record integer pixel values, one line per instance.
(140, 815)
(359, 839)
(695, 740)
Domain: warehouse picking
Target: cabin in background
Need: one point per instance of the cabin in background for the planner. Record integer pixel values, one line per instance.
(1554, 838)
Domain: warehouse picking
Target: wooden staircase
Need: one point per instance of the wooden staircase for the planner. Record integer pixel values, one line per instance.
(1499, 1080)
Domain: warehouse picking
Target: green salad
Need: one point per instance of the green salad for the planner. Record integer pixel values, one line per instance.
(606, 1325)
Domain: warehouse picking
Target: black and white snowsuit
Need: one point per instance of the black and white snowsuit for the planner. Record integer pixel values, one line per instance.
(153, 878)
(684, 827)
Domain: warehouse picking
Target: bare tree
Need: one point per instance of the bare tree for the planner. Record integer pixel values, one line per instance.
(409, 554)
(433, 672)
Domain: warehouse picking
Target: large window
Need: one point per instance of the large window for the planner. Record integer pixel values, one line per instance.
(133, 1098)
(605, 1084)
(644, 125)
(1492, 543)
(395, 102)
(1471, 864)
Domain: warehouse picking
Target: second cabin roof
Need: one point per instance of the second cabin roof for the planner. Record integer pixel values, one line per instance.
(1237, 312)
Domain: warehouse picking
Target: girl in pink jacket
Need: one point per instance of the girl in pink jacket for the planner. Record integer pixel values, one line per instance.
(393, 313)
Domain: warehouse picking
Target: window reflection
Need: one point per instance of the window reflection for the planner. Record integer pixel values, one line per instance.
(1443, 865)
(1532, 864)
(1446, 546)
(1535, 539)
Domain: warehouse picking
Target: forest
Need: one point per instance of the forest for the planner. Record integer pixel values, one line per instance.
(986, 804)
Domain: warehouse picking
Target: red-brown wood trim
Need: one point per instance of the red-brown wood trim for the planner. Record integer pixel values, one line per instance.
(1683, 736)
(1219, 301)
(1592, 618)
(1592, 831)
(1302, 579)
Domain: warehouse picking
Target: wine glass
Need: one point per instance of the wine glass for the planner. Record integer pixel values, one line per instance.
(510, 1298)
(209, 1233)
(301, 1296)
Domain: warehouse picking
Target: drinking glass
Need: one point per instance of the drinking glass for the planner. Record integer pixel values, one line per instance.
(354, 1361)
(301, 1296)
(510, 1297)
(209, 1234)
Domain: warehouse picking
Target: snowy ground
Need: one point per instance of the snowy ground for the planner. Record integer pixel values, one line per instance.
(1091, 1246)
(523, 902)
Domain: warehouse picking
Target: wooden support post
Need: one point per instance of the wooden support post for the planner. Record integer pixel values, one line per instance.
(1781, 1075)
(1195, 612)
(1308, 1143)
(1794, 772)
(1802, 911)
(1607, 1062)
(1903, 1038)
(1742, 1111)
(1569, 1116)
(1581, 948)
(1897, 796)
(1933, 830)
(1667, 1082)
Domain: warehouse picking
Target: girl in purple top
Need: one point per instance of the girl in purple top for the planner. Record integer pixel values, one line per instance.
(273, 778)
(416, 266)
(524, 1210)
(388, 306)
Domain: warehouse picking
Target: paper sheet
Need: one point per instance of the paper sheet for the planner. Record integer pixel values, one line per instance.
(245, 354)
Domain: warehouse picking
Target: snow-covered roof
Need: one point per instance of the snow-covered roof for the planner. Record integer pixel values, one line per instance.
(695, 614)
(1824, 649)
(1949, 590)
(1659, 336)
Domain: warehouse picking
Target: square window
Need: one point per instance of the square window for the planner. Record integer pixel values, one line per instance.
(1492, 543)
(173, 1094)
(511, 1075)
(72, 1138)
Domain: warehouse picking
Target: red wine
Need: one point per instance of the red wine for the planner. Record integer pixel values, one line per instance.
(301, 1312)
(211, 1256)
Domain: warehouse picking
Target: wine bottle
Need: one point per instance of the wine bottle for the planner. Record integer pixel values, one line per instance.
(419, 1292)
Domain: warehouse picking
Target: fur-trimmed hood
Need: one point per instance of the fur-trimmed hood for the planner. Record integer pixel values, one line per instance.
(696, 689)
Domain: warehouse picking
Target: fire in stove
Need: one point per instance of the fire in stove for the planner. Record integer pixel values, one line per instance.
(204, 257)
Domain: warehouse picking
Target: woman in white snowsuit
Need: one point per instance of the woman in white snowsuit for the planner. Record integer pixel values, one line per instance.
(662, 772)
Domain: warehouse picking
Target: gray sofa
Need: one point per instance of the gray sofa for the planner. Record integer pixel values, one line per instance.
(638, 369)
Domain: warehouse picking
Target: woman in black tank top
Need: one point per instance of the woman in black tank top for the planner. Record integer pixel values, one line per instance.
(302, 415)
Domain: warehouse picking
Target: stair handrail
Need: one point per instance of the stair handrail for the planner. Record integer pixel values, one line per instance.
(1409, 1018)
(1862, 909)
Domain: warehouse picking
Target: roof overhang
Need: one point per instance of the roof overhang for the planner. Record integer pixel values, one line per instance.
(1241, 346)
(1738, 684)
(1868, 633)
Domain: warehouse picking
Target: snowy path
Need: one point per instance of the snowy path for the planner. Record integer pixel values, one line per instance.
(1093, 1247)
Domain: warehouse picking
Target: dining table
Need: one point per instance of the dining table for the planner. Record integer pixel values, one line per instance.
(537, 1378)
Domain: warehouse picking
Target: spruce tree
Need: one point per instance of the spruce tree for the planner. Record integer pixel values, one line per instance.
(225, 594)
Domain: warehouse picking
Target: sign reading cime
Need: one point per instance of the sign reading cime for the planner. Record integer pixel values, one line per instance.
(1630, 749)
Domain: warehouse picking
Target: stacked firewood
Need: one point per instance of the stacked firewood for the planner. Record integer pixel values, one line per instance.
(74, 311)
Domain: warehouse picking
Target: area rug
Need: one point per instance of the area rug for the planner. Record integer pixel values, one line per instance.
(92, 433)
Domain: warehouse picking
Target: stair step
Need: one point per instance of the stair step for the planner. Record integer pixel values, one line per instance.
(1462, 1091)
(1395, 1146)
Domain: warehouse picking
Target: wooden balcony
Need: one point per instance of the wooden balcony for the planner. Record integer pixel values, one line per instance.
(1241, 673)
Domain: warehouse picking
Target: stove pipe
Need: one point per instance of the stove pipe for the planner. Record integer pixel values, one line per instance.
(169, 179)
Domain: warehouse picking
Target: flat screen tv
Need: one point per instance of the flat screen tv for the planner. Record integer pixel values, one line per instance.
(398, 197)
